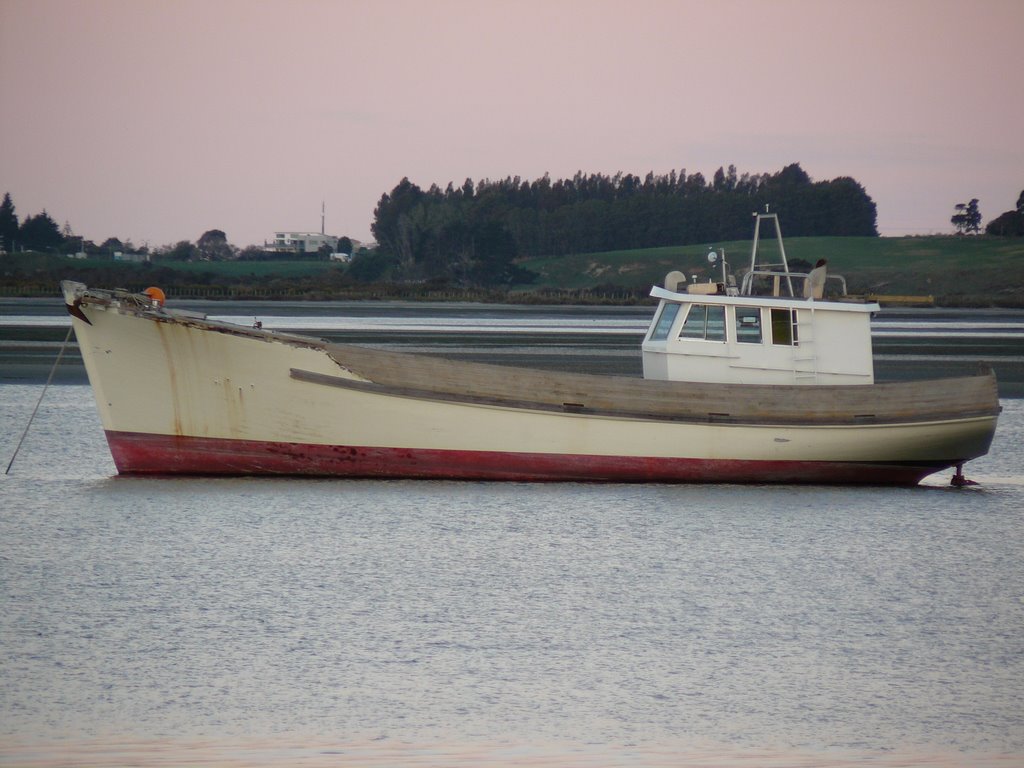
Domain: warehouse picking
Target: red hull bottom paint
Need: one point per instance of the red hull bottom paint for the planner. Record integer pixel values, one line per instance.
(136, 453)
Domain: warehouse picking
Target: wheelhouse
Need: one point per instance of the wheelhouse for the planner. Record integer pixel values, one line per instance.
(750, 340)
(714, 332)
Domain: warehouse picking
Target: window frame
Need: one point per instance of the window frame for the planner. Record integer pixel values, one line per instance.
(738, 325)
(660, 331)
(785, 318)
(707, 310)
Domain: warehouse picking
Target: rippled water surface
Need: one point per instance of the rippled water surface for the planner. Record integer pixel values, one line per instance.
(323, 622)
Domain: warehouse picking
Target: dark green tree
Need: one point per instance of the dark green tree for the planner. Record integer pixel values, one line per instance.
(112, 245)
(40, 233)
(967, 217)
(392, 225)
(345, 245)
(1009, 223)
(183, 250)
(8, 224)
(213, 245)
(369, 267)
(255, 253)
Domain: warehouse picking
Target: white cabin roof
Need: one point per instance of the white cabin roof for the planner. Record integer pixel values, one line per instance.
(764, 301)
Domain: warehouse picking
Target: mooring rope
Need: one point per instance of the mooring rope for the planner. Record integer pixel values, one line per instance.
(40, 400)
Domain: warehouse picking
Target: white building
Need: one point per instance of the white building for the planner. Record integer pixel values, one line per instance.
(126, 256)
(302, 242)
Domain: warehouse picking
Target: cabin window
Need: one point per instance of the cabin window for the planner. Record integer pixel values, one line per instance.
(784, 327)
(748, 325)
(665, 321)
(704, 321)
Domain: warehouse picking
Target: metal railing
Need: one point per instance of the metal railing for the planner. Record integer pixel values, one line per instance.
(748, 280)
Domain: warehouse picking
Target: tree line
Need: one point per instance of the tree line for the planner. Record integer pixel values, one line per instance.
(474, 233)
(40, 232)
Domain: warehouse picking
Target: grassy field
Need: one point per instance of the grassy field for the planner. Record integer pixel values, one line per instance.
(972, 268)
(964, 271)
(238, 270)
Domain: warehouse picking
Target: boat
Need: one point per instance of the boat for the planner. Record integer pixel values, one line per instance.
(745, 380)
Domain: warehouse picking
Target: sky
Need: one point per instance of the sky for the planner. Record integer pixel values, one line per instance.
(157, 120)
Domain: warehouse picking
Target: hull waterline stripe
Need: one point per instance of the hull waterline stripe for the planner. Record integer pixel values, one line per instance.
(136, 453)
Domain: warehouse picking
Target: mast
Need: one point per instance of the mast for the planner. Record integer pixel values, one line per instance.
(778, 236)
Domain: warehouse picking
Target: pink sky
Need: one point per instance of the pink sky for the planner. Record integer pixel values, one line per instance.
(156, 121)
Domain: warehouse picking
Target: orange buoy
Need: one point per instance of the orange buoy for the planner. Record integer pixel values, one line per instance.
(156, 295)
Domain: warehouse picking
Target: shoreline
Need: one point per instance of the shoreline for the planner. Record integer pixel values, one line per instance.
(602, 340)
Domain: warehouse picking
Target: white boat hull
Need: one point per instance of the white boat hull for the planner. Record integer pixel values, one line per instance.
(188, 396)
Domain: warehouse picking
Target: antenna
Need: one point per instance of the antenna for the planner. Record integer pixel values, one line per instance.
(322, 217)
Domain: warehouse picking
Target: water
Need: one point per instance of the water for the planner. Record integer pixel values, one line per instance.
(281, 622)
(254, 621)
